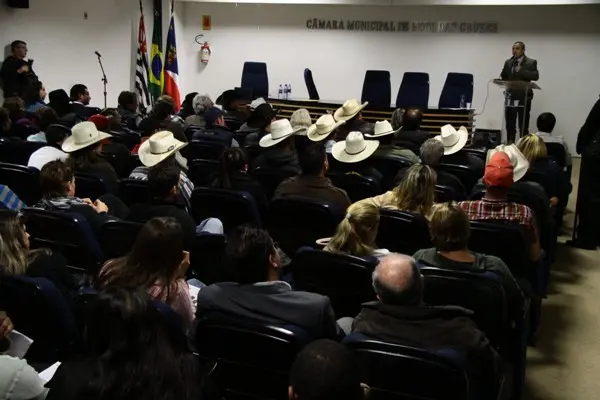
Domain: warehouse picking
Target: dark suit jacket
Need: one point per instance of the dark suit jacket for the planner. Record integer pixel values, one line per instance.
(83, 112)
(270, 303)
(528, 72)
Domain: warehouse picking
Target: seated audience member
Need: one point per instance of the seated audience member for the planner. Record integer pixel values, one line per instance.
(233, 175)
(545, 124)
(59, 101)
(215, 130)
(85, 149)
(57, 182)
(432, 153)
(258, 124)
(5, 122)
(397, 119)
(450, 230)
(156, 264)
(325, 369)
(201, 103)
(384, 133)
(55, 136)
(109, 121)
(10, 200)
(160, 119)
(410, 135)
(172, 116)
(255, 292)
(323, 131)
(351, 113)
(415, 194)
(235, 105)
(187, 106)
(301, 121)
(34, 96)
(16, 258)
(21, 123)
(312, 183)
(46, 117)
(163, 185)
(357, 232)
(454, 141)
(499, 177)
(130, 354)
(80, 102)
(128, 110)
(352, 154)
(399, 316)
(279, 150)
(162, 148)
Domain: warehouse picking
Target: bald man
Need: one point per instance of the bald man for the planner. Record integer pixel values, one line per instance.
(410, 135)
(399, 316)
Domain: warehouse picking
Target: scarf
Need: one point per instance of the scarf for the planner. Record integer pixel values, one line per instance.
(60, 203)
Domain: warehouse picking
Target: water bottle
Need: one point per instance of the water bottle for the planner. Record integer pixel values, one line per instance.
(290, 90)
(463, 103)
(280, 92)
(286, 91)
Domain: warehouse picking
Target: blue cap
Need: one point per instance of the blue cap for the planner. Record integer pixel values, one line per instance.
(211, 115)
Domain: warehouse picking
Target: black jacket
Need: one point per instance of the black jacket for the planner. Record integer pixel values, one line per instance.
(528, 72)
(283, 160)
(411, 140)
(83, 112)
(102, 169)
(13, 82)
(53, 267)
(130, 119)
(590, 132)
(243, 182)
(216, 134)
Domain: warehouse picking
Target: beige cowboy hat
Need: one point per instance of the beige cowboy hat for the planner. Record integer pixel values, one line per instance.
(452, 139)
(354, 149)
(349, 110)
(83, 135)
(382, 128)
(517, 159)
(159, 147)
(323, 127)
(280, 130)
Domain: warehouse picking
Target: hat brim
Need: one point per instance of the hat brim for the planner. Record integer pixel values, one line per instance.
(70, 146)
(256, 120)
(268, 141)
(339, 113)
(317, 137)
(463, 137)
(339, 152)
(375, 136)
(519, 168)
(150, 160)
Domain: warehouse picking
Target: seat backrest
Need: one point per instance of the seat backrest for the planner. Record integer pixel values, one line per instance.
(357, 186)
(203, 172)
(89, 186)
(16, 151)
(270, 178)
(133, 191)
(557, 152)
(446, 193)
(482, 154)
(320, 272)
(310, 85)
(377, 89)
(255, 77)
(233, 208)
(205, 149)
(23, 181)
(118, 237)
(128, 139)
(38, 310)
(456, 85)
(413, 91)
(467, 176)
(295, 222)
(402, 232)
(388, 167)
(206, 258)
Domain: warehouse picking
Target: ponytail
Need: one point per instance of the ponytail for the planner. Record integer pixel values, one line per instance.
(232, 159)
(352, 235)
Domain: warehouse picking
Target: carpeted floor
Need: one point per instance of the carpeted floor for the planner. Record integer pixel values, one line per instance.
(565, 363)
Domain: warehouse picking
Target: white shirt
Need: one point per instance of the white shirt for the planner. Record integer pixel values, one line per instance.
(43, 156)
(548, 138)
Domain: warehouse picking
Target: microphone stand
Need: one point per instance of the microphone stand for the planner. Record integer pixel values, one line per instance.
(103, 77)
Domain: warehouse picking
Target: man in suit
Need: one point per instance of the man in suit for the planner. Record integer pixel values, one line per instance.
(519, 68)
(80, 102)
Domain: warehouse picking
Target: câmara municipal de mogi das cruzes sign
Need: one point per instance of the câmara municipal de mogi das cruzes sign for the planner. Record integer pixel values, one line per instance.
(403, 26)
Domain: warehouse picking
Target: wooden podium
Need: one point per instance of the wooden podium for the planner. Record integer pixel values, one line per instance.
(520, 86)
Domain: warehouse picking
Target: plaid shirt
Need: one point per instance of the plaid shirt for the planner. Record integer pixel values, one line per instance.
(502, 210)
(186, 186)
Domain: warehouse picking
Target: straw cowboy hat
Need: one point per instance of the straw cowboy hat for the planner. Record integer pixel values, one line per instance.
(159, 147)
(354, 149)
(452, 139)
(280, 130)
(323, 127)
(382, 128)
(349, 110)
(83, 135)
(517, 159)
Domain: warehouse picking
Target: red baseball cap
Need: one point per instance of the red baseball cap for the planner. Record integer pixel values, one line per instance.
(100, 121)
(499, 171)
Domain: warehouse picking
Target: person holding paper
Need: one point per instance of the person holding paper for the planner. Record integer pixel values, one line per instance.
(518, 68)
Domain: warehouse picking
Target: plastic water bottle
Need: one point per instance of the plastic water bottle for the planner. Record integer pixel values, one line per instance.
(463, 103)
(289, 90)
(280, 92)
(286, 91)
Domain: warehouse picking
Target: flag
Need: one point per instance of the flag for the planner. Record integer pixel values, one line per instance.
(156, 73)
(171, 68)
(141, 70)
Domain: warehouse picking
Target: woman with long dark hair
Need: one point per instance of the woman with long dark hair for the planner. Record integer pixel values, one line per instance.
(34, 96)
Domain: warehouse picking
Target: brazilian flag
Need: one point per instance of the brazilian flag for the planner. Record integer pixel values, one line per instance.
(157, 79)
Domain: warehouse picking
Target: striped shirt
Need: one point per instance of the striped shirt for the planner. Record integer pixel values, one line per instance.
(186, 186)
(10, 200)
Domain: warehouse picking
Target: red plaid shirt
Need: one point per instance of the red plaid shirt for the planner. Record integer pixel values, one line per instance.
(487, 209)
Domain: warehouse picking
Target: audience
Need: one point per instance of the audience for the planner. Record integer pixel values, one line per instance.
(187, 106)
(384, 132)
(258, 124)
(279, 150)
(166, 99)
(46, 117)
(351, 113)
(131, 353)
(399, 316)
(55, 136)
(201, 103)
(16, 257)
(34, 96)
(128, 110)
(17, 73)
(80, 102)
(301, 121)
(256, 292)
(60, 102)
(312, 183)
(323, 131)
(20, 121)
(235, 104)
(454, 142)
(410, 136)
(352, 154)
(215, 130)
(545, 125)
(357, 232)
(325, 370)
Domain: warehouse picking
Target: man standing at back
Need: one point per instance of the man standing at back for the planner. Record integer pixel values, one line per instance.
(16, 73)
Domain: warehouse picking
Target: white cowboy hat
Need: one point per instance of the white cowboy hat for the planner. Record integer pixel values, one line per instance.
(83, 135)
(280, 130)
(452, 139)
(159, 147)
(323, 127)
(349, 110)
(517, 159)
(382, 128)
(354, 149)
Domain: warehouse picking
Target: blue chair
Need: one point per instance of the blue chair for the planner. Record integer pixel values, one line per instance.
(377, 89)
(233, 208)
(38, 310)
(456, 85)
(23, 181)
(310, 85)
(255, 77)
(414, 91)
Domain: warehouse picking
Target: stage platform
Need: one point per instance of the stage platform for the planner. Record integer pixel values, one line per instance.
(433, 118)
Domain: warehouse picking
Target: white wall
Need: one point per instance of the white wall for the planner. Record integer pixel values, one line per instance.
(564, 39)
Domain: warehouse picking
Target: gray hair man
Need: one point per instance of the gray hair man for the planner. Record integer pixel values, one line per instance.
(432, 152)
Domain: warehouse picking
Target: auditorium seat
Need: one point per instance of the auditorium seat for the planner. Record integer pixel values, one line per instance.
(345, 279)
(89, 186)
(413, 91)
(480, 153)
(357, 186)
(128, 139)
(388, 167)
(203, 149)
(270, 178)
(203, 172)
(446, 193)
(402, 232)
(118, 237)
(206, 259)
(313, 94)
(256, 78)
(133, 191)
(23, 181)
(233, 208)
(456, 85)
(467, 176)
(16, 151)
(377, 89)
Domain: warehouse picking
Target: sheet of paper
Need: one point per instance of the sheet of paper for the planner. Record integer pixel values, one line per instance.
(194, 293)
(19, 344)
(49, 372)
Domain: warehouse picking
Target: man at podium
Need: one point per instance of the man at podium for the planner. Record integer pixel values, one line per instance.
(518, 68)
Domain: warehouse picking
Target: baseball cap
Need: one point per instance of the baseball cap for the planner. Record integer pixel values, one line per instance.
(499, 171)
(100, 121)
(211, 115)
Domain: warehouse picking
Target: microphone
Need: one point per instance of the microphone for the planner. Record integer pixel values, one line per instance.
(98, 54)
